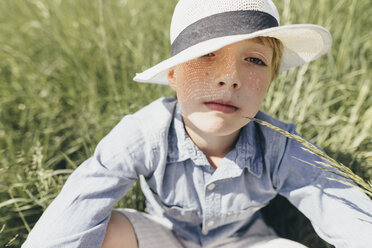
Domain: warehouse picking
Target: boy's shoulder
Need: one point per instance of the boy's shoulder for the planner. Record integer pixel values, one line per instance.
(273, 140)
(162, 106)
(157, 112)
(156, 117)
(150, 123)
(290, 127)
(138, 135)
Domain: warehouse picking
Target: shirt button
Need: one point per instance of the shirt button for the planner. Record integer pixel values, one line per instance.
(210, 223)
(211, 186)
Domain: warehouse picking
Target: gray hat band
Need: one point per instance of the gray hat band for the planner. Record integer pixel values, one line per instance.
(223, 24)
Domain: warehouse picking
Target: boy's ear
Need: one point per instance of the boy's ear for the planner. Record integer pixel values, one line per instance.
(172, 78)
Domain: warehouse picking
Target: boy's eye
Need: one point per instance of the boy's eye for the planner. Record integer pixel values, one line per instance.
(209, 55)
(255, 61)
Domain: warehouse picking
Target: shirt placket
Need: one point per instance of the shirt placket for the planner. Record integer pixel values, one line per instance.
(212, 207)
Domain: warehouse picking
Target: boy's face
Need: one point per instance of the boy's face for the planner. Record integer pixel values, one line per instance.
(217, 90)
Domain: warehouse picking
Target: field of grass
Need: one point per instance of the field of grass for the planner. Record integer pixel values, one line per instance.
(66, 69)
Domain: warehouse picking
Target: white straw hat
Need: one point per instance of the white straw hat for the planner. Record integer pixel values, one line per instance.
(202, 26)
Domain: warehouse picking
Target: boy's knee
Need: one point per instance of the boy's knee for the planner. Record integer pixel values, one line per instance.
(119, 233)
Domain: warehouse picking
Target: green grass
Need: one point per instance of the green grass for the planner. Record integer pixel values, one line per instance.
(66, 69)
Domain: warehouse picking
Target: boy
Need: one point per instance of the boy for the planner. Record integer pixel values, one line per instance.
(205, 169)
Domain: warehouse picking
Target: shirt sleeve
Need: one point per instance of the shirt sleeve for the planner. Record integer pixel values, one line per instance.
(79, 215)
(340, 214)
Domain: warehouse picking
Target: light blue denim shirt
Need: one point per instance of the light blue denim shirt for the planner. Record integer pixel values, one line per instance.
(200, 203)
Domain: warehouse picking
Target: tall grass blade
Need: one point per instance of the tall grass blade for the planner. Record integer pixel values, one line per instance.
(347, 173)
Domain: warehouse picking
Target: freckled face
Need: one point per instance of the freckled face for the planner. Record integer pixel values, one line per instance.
(216, 90)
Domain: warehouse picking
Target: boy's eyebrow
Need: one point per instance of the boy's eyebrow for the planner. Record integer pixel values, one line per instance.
(258, 40)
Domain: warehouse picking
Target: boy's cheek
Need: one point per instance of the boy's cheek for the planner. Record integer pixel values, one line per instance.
(192, 90)
(258, 82)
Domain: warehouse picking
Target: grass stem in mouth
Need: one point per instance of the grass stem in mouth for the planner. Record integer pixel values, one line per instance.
(346, 172)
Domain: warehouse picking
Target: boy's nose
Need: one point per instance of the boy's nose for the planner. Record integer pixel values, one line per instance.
(234, 85)
(228, 75)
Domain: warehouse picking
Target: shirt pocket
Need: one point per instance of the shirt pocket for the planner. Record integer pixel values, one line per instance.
(241, 214)
(189, 215)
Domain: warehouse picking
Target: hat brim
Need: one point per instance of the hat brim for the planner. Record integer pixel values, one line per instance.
(302, 43)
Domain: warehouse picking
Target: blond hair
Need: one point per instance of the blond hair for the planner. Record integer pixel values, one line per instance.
(277, 47)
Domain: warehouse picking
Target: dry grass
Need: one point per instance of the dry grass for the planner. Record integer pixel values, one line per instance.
(341, 170)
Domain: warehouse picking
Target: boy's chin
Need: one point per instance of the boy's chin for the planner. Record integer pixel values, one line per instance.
(217, 127)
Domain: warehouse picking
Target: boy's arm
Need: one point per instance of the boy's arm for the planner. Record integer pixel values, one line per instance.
(340, 214)
(79, 215)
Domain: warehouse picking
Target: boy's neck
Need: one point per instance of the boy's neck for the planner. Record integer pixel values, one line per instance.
(214, 147)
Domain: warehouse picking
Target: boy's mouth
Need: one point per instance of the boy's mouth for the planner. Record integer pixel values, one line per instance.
(221, 106)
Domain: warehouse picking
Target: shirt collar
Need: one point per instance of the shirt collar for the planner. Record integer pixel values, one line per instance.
(249, 149)
(180, 145)
(246, 154)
